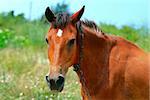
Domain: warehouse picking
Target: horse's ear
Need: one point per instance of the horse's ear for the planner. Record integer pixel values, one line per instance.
(76, 16)
(49, 15)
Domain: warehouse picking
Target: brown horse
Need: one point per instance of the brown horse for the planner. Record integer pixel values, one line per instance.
(109, 67)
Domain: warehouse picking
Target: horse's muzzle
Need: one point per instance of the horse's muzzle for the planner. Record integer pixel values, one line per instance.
(55, 84)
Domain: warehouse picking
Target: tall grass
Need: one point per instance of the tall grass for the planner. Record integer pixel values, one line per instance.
(22, 76)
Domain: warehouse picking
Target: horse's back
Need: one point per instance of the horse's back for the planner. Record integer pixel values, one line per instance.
(129, 70)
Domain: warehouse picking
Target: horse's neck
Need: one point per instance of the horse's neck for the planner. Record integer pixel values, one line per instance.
(95, 61)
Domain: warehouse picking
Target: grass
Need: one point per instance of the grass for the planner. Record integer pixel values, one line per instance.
(24, 64)
(22, 76)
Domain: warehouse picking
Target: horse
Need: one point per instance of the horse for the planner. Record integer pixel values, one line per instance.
(108, 66)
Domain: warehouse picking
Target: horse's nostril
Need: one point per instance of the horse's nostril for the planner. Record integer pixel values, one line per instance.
(47, 78)
(60, 80)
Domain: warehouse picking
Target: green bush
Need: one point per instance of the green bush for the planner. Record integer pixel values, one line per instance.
(8, 38)
(5, 36)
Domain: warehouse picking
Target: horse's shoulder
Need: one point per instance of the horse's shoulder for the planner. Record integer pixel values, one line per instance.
(122, 42)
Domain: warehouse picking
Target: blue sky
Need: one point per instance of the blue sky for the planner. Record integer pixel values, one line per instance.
(118, 12)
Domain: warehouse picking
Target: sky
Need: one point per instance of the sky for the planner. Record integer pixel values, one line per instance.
(117, 12)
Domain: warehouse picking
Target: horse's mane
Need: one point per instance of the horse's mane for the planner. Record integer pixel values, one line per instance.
(62, 19)
(91, 25)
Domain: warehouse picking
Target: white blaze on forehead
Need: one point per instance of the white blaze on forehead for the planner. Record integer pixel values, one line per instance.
(59, 33)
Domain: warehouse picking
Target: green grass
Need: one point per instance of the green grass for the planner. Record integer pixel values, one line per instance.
(24, 64)
(22, 75)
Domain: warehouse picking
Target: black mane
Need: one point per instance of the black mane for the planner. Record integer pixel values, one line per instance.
(62, 19)
(91, 24)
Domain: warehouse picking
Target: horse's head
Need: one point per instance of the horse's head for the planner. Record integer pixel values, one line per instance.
(62, 46)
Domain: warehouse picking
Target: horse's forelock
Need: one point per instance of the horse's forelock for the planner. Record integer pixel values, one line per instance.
(62, 19)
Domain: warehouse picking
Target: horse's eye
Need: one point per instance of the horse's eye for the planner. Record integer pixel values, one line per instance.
(46, 40)
(71, 42)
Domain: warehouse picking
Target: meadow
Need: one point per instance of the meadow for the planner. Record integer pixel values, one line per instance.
(24, 63)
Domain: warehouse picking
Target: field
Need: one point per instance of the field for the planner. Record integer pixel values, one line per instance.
(24, 63)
